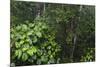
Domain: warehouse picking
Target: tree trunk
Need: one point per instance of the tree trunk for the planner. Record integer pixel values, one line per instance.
(74, 25)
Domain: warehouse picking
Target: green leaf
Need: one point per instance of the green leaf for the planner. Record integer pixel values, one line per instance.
(44, 26)
(51, 56)
(17, 45)
(39, 53)
(39, 34)
(34, 49)
(34, 57)
(18, 27)
(30, 32)
(24, 56)
(27, 40)
(31, 25)
(24, 27)
(24, 49)
(49, 47)
(30, 52)
(23, 37)
(44, 59)
(38, 62)
(49, 52)
(51, 61)
(34, 39)
(12, 35)
(18, 53)
(21, 42)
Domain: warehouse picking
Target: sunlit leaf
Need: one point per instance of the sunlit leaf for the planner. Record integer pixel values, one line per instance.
(24, 56)
(39, 34)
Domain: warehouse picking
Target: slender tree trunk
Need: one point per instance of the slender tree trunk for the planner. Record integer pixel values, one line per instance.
(74, 25)
(44, 8)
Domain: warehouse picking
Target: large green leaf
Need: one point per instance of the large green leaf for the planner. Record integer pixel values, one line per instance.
(51, 61)
(24, 27)
(18, 27)
(35, 39)
(39, 34)
(18, 53)
(44, 58)
(30, 52)
(34, 49)
(24, 56)
(38, 61)
(30, 32)
(17, 45)
(24, 49)
(21, 42)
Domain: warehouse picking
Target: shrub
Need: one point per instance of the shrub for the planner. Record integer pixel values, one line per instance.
(89, 55)
(34, 43)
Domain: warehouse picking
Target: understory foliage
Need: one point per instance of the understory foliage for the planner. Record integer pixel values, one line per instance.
(89, 55)
(48, 33)
(34, 43)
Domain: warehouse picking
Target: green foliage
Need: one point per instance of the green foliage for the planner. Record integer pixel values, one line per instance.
(34, 43)
(45, 33)
(20, 9)
(89, 55)
(61, 13)
(24, 57)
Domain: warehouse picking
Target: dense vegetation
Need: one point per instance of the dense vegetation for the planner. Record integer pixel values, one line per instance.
(45, 33)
